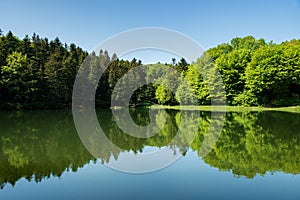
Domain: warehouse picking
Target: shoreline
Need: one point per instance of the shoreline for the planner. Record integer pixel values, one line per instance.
(295, 109)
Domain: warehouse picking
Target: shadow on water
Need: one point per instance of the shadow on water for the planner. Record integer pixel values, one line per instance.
(38, 145)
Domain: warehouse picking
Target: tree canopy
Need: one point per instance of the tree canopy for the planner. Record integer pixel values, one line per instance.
(36, 73)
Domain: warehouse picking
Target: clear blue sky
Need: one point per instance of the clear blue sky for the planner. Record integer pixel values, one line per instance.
(209, 22)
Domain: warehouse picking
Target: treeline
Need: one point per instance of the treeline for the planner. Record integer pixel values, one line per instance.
(254, 73)
(39, 74)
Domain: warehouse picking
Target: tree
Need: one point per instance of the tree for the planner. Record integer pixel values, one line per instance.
(273, 75)
(248, 42)
(181, 66)
(232, 69)
(195, 79)
(221, 49)
(173, 61)
(15, 76)
(164, 94)
(8, 44)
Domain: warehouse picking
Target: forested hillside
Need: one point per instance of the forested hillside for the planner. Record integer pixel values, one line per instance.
(39, 74)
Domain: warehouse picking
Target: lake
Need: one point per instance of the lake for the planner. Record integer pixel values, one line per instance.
(257, 156)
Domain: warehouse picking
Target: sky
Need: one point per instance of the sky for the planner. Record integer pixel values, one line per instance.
(209, 22)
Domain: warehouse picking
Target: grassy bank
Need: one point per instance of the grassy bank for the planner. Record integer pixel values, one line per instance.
(229, 108)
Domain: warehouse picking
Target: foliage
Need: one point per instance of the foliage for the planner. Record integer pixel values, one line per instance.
(36, 73)
(273, 75)
(39, 74)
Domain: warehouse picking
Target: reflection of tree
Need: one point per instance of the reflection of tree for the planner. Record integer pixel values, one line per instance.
(39, 145)
(43, 144)
(256, 143)
(140, 116)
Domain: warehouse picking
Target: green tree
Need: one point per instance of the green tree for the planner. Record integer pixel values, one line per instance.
(273, 75)
(232, 69)
(169, 81)
(14, 77)
(181, 66)
(195, 80)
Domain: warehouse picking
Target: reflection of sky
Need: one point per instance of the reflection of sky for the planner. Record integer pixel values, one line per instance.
(188, 178)
(149, 149)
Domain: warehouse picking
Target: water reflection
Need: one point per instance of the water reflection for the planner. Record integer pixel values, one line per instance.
(38, 145)
(255, 143)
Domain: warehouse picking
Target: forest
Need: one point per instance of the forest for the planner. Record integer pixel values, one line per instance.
(37, 73)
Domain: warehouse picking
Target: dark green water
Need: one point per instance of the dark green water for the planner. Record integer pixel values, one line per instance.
(256, 157)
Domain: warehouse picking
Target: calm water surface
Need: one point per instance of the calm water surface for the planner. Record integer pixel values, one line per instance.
(256, 157)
